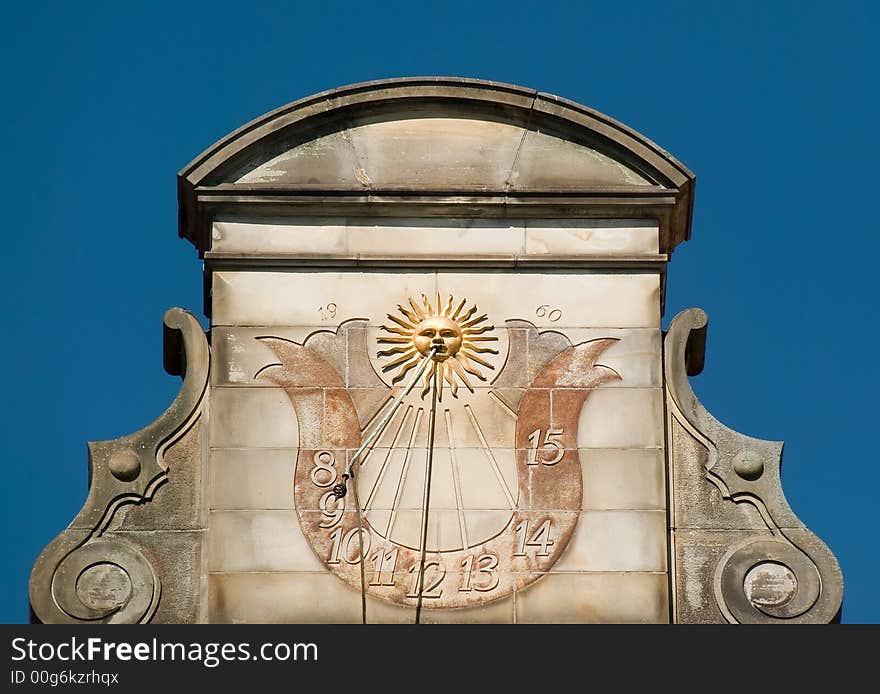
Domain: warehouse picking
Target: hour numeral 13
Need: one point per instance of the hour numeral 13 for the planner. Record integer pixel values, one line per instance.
(485, 570)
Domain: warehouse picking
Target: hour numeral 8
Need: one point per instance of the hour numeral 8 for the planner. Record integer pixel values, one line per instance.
(551, 441)
(324, 472)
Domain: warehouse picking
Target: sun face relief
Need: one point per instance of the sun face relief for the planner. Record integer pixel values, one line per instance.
(439, 332)
(452, 330)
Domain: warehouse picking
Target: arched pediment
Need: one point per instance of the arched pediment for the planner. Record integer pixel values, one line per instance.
(433, 138)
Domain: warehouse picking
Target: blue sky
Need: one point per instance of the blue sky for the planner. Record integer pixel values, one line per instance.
(772, 105)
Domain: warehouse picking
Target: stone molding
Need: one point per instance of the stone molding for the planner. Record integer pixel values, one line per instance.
(207, 186)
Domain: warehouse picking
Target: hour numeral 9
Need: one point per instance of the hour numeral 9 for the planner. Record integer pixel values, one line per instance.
(486, 565)
(551, 440)
(327, 311)
(332, 510)
(540, 539)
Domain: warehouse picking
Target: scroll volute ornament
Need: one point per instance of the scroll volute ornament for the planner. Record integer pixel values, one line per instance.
(85, 575)
(784, 573)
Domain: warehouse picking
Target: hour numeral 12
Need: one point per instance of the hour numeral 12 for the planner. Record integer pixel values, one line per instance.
(434, 575)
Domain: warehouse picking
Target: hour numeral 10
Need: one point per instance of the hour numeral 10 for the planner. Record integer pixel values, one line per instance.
(486, 565)
(347, 546)
(540, 539)
(550, 441)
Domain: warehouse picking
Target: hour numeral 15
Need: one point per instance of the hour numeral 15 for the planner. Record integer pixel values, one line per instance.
(551, 440)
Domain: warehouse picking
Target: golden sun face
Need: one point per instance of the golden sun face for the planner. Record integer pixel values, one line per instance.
(454, 332)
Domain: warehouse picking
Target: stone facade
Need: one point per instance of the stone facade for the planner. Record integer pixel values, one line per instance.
(435, 389)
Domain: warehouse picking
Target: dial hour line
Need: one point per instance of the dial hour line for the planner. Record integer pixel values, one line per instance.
(384, 465)
(456, 480)
(378, 412)
(488, 452)
(378, 437)
(402, 479)
(503, 405)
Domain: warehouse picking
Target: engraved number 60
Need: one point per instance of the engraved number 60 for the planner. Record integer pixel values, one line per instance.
(553, 314)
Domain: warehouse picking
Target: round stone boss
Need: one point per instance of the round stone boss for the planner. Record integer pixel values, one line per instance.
(107, 580)
(766, 580)
(104, 586)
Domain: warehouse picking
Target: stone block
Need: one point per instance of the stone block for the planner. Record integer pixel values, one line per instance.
(622, 418)
(258, 541)
(616, 541)
(617, 478)
(252, 478)
(595, 598)
(252, 418)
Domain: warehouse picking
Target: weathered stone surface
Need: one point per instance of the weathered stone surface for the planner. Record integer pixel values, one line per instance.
(622, 418)
(177, 559)
(617, 541)
(697, 502)
(252, 418)
(595, 598)
(251, 478)
(697, 554)
(258, 540)
(617, 478)
(364, 238)
(178, 503)
(272, 598)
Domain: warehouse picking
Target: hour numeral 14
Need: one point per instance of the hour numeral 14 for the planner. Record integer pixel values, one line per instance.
(540, 538)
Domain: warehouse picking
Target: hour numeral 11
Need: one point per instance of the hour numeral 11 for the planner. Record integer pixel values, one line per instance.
(384, 563)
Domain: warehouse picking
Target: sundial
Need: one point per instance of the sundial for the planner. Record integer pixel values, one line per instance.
(435, 387)
(485, 479)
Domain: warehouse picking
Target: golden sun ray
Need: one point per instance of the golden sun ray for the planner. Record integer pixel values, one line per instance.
(473, 357)
(450, 329)
(394, 350)
(454, 316)
(416, 309)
